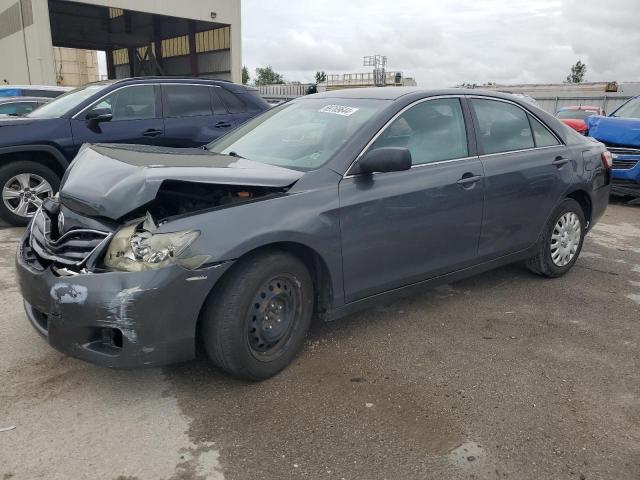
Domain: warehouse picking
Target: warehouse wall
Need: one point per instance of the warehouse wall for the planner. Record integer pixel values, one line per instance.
(27, 55)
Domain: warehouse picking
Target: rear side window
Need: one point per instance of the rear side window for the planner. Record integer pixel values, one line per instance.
(433, 131)
(254, 101)
(503, 127)
(541, 135)
(218, 107)
(233, 103)
(186, 100)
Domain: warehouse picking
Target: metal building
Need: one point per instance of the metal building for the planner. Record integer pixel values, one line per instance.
(140, 37)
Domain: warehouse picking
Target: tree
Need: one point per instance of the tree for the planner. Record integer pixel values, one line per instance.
(321, 77)
(245, 75)
(267, 76)
(577, 74)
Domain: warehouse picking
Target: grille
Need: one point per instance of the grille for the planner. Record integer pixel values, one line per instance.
(624, 163)
(72, 248)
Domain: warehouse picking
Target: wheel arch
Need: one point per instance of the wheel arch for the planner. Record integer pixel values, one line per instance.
(584, 200)
(46, 155)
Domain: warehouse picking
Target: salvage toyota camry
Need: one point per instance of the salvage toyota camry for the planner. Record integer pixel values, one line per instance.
(314, 209)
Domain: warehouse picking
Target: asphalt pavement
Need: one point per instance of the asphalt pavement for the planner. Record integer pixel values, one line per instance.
(505, 375)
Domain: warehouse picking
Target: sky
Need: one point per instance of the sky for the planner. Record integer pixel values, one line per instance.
(446, 42)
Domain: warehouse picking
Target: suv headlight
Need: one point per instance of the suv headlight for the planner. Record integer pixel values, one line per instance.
(135, 248)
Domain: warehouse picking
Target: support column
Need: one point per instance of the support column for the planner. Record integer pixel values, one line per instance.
(193, 56)
(111, 68)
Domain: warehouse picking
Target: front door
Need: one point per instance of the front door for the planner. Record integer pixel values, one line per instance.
(400, 228)
(135, 118)
(527, 171)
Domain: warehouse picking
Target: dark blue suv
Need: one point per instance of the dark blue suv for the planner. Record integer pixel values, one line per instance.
(172, 112)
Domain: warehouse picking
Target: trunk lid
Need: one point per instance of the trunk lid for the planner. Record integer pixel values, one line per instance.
(112, 180)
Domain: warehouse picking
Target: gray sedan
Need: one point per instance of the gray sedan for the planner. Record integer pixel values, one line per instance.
(317, 208)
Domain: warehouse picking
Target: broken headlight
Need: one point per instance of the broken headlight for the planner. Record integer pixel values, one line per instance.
(137, 247)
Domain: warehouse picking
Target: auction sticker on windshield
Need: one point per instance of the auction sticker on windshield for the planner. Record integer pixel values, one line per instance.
(339, 110)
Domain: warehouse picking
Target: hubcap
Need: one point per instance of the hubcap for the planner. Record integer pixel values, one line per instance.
(272, 315)
(23, 193)
(565, 239)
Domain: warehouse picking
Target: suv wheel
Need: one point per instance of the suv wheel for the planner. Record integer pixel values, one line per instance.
(561, 241)
(24, 185)
(256, 320)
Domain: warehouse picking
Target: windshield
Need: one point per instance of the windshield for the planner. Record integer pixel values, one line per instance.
(64, 103)
(631, 109)
(576, 114)
(302, 135)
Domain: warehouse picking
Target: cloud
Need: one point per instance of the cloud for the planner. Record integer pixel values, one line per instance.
(444, 43)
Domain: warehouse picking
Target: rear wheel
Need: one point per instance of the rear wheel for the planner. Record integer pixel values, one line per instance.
(24, 186)
(256, 320)
(561, 242)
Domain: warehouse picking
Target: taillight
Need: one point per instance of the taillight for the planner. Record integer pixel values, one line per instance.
(607, 159)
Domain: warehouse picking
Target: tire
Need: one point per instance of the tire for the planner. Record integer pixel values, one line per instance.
(255, 321)
(11, 182)
(553, 257)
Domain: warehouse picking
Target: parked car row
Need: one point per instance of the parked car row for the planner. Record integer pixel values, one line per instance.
(35, 150)
(318, 207)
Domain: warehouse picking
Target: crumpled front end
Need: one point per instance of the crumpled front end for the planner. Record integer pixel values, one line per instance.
(117, 319)
(622, 138)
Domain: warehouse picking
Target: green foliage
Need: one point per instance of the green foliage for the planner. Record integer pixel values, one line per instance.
(245, 75)
(267, 76)
(578, 71)
(321, 77)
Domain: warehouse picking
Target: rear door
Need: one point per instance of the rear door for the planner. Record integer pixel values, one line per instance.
(136, 118)
(193, 115)
(527, 171)
(400, 228)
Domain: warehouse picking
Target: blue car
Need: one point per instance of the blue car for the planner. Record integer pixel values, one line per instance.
(620, 132)
(35, 150)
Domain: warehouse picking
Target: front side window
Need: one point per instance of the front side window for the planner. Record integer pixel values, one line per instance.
(433, 131)
(128, 103)
(503, 127)
(186, 100)
(302, 135)
(67, 102)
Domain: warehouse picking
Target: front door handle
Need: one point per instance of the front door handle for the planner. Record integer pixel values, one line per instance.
(560, 161)
(223, 125)
(152, 132)
(468, 180)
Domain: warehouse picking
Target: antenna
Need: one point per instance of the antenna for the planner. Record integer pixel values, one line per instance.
(379, 64)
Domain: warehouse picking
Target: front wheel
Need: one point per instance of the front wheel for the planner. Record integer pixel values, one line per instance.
(561, 241)
(24, 186)
(256, 320)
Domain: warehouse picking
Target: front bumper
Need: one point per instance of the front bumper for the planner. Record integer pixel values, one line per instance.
(626, 182)
(118, 319)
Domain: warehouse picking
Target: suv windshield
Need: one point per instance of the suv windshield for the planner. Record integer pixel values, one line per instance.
(64, 103)
(302, 135)
(576, 114)
(631, 109)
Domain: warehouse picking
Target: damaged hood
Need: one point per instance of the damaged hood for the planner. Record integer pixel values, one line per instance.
(624, 132)
(112, 180)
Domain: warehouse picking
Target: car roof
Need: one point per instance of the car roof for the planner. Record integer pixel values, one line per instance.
(56, 88)
(579, 107)
(24, 99)
(394, 93)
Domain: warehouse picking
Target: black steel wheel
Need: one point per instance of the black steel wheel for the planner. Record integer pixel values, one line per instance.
(256, 319)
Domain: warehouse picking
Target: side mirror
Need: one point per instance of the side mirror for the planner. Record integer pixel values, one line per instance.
(97, 116)
(386, 159)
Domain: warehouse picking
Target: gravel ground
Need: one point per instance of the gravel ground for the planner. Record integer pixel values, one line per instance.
(506, 375)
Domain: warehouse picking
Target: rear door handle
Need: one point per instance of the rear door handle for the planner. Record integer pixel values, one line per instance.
(560, 161)
(468, 180)
(152, 132)
(223, 125)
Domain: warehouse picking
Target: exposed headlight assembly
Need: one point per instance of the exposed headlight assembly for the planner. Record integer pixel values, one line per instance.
(137, 247)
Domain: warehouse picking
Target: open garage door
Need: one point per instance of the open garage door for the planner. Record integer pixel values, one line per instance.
(139, 43)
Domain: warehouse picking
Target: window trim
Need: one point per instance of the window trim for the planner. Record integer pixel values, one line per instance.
(527, 112)
(460, 98)
(155, 84)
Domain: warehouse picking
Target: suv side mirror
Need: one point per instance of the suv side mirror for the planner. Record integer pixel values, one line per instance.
(97, 116)
(385, 159)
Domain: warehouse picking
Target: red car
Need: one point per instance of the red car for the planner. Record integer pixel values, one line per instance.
(574, 116)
